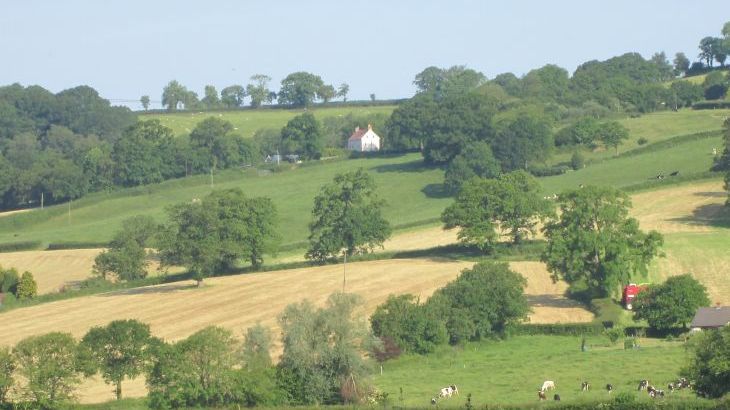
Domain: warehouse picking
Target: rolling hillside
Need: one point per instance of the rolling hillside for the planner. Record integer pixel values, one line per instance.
(246, 122)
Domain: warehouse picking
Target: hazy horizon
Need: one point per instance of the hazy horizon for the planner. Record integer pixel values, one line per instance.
(129, 49)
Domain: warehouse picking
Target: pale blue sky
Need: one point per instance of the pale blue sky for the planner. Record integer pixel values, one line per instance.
(126, 49)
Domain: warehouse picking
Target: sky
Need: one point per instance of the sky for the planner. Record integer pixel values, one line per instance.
(126, 49)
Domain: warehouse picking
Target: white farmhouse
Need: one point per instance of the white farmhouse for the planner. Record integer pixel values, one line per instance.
(364, 140)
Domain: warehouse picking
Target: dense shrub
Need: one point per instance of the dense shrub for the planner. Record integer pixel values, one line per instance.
(557, 329)
(482, 302)
(546, 171)
(411, 325)
(19, 246)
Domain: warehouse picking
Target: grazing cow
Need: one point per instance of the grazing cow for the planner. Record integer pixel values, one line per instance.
(651, 390)
(548, 385)
(541, 395)
(643, 385)
(433, 400)
(454, 389)
(682, 383)
(446, 392)
(671, 387)
(659, 176)
(609, 388)
(585, 386)
(556, 397)
(674, 174)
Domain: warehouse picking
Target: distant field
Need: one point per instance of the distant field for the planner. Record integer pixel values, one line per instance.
(667, 124)
(411, 190)
(512, 371)
(687, 158)
(246, 122)
(176, 310)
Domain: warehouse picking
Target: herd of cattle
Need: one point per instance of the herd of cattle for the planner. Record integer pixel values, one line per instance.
(644, 385)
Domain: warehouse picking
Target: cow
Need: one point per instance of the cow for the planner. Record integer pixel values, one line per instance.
(682, 383)
(609, 388)
(446, 392)
(670, 387)
(433, 400)
(547, 385)
(454, 389)
(541, 395)
(674, 174)
(585, 386)
(556, 397)
(643, 385)
(659, 176)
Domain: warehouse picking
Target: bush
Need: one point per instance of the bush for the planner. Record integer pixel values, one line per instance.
(27, 287)
(546, 171)
(630, 343)
(412, 326)
(558, 329)
(614, 334)
(642, 141)
(577, 161)
(711, 105)
(482, 302)
(9, 281)
(19, 246)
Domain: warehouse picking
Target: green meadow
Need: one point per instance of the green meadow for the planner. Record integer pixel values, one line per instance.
(510, 372)
(247, 122)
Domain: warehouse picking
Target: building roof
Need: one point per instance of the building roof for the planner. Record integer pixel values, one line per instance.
(359, 133)
(711, 317)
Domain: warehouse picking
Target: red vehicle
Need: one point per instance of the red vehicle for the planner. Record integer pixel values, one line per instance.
(630, 292)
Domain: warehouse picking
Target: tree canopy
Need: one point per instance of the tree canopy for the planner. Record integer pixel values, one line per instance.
(299, 89)
(302, 136)
(709, 363)
(671, 304)
(347, 216)
(594, 244)
(209, 236)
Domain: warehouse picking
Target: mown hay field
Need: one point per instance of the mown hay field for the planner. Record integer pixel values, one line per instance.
(177, 310)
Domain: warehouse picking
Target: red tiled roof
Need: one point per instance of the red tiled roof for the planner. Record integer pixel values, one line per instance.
(357, 135)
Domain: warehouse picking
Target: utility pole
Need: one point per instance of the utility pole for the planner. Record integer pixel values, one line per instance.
(344, 273)
(69, 212)
(41, 200)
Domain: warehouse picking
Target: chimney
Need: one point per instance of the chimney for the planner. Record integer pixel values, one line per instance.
(370, 127)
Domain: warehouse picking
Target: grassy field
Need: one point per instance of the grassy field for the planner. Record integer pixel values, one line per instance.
(176, 310)
(662, 125)
(411, 190)
(511, 372)
(246, 122)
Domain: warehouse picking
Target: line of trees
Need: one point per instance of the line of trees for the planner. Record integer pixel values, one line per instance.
(323, 362)
(299, 89)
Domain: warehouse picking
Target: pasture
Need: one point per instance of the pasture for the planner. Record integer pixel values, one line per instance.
(510, 372)
(176, 310)
(247, 122)
(661, 125)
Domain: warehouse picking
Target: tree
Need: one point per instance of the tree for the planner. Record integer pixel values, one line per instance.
(524, 139)
(708, 366)
(299, 89)
(9, 279)
(511, 203)
(681, 64)
(232, 96)
(137, 156)
(326, 92)
(48, 365)
(126, 256)
(686, 93)
(708, 47)
(582, 132)
(118, 350)
(413, 326)
(671, 304)
(441, 82)
(483, 301)
(27, 287)
(196, 371)
(256, 344)
(342, 91)
(259, 90)
(215, 143)
(347, 216)
(302, 135)
(476, 160)
(612, 134)
(715, 86)
(210, 100)
(173, 95)
(322, 360)
(7, 367)
(372, 97)
(145, 100)
(594, 244)
(210, 236)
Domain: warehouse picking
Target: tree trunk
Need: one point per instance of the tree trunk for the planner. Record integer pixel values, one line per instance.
(118, 390)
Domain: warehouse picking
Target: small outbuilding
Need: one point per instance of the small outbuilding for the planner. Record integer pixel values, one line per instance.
(364, 140)
(711, 318)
